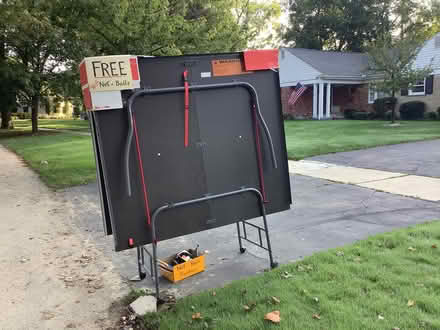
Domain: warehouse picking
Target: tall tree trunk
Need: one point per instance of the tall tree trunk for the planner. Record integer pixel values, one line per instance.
(393, 109)
(6, 118)
(35, 106)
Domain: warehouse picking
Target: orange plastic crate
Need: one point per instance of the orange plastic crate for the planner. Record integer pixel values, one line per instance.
(184, 270)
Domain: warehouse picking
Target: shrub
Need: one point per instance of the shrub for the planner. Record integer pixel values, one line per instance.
(382, 105)
(360, 115)
(348, 113)
(412, 110)
(389, 113)
(431, 115)
(288, 116)
(76, 112)
(24, 115)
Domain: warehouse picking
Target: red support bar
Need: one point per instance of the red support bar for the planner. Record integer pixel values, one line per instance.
(186, 85)
(141, 168)
(259, 156)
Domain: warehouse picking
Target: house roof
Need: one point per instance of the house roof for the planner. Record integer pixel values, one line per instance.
(333, 63)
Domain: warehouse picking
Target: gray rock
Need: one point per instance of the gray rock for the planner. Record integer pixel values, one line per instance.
(143, 305)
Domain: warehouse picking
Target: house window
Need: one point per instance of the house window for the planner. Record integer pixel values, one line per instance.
(418, 88)
(373, 95)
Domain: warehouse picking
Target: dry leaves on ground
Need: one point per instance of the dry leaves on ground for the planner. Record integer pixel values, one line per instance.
(434, 246)
(380, 317)
(286, 275)
(273, 317)
(249, 306)
(196, 316)
(276, 300)
(411, 303)
(316, 316)
(412, 249)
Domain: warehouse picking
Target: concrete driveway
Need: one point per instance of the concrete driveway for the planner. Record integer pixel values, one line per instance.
(417, 158)
(324, 215)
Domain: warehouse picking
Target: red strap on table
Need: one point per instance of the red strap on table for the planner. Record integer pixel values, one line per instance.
(141, 168)
(259, 155)
(185, 82)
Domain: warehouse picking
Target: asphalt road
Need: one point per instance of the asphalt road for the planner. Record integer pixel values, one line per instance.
(418, 158)
(324, 215)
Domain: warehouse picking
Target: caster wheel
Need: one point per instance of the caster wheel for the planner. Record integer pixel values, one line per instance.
(242, 250)
(274, 265)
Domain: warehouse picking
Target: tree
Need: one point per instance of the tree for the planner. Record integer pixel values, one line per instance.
(431, 17)
(347, 25)
(393, 66)
(258, 22)
(164, 27)
(410, 18)
(36, 45)
(154, 27)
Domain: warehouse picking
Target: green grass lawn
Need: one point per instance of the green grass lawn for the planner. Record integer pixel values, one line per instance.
(66, 124)
(306, 138)
(60, 159)
(73, 163)
(388, 281)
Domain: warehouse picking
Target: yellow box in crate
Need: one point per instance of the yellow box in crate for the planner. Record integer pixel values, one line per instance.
(184, 270)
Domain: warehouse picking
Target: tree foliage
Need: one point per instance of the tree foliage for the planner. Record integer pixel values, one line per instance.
(393, 66)
(347, 25)
(35, 45)
(431, 18)
(45, 40)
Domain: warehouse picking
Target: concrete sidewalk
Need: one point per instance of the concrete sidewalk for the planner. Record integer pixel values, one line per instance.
(416, 186)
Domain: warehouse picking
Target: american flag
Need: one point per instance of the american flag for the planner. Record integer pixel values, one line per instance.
(296, 94)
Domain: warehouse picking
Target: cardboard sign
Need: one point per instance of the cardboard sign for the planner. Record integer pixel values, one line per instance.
(109, 73)
(102, 79)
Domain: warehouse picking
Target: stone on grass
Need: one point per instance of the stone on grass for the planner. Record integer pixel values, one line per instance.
(144, 305)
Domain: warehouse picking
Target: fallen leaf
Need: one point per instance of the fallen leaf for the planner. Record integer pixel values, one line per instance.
(395, 328)
(434, 246)
(47, 315)
(316, 299)
(380, 317)
(411, 303)
(196, 316)
(411, 249)
(274, 317)
(286, 275)
(276, 300)
(250, 306)
(316, 316)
